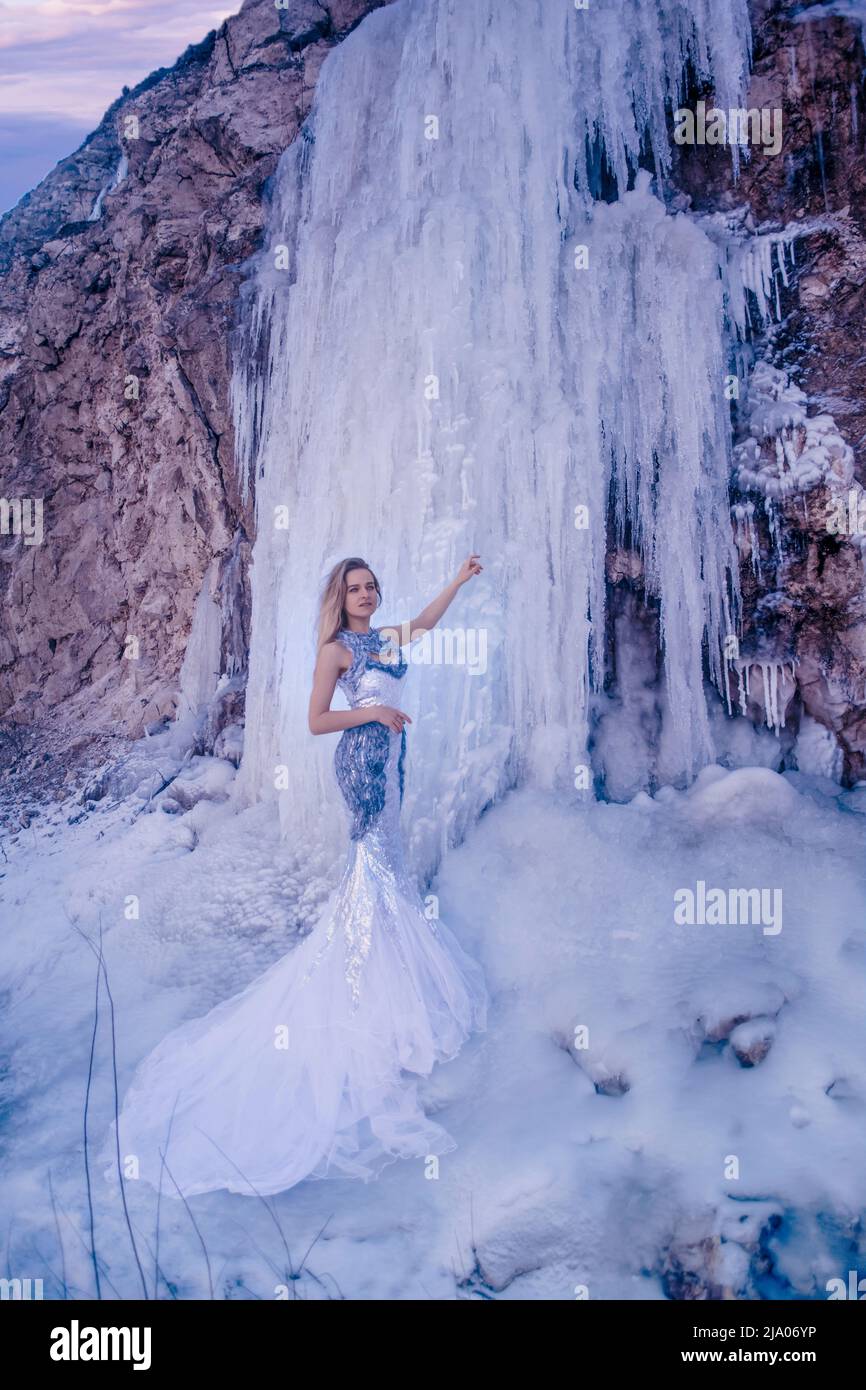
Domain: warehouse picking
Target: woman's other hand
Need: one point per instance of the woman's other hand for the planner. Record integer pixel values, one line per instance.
(393, 719)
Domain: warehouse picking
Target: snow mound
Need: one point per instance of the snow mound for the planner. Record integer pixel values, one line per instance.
(746, 795)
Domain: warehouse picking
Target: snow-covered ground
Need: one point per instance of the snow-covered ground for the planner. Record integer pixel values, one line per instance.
(609, 1136)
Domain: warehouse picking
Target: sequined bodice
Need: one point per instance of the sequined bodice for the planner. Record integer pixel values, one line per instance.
(377, 672)
(369, 759)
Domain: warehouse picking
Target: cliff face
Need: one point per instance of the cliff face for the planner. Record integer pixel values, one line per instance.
(117, 304)
(119, 279)
(802, 570)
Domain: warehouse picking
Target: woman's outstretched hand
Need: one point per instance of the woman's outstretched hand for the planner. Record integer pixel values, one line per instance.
(468, 569)
(429, 616)
(393, 719)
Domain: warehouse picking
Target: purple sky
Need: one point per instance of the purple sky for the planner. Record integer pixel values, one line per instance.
(63, 62)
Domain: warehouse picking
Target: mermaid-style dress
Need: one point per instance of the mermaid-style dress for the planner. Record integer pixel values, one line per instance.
(301, 1074)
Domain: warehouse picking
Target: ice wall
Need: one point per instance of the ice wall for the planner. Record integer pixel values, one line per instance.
(201, 663)
(452, 344)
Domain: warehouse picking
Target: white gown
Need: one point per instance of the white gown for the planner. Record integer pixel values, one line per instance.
(301, 1075)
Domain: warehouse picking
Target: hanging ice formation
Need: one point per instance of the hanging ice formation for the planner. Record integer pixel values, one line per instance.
(200, 671)
(787, 451)
(451, 343)
(747, 534)
(778, 683)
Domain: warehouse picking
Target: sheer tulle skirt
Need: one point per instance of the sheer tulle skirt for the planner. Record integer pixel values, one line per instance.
(302, 1074)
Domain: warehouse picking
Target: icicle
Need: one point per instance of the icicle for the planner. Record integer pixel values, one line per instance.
(230, 591)
(819, 146)
(774, 529)
(200, 670)
(794, 77)
(771, 695)
(754, 547)
(772, 689)
(744, 515)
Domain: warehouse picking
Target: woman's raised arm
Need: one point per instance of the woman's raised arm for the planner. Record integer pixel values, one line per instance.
(429, 616)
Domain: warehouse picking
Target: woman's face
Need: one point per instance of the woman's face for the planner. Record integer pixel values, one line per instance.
(361, 597)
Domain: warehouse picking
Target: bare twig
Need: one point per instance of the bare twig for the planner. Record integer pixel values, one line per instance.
(160, 1272)
(194, 1223)
(102, 970)
(264, 1202)
(79, 1237)
(86, 1149)
(59, 1237)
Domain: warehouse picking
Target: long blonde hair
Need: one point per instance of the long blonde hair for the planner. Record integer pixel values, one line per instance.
(332, 609)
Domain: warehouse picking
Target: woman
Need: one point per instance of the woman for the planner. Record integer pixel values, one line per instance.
(301, 1074)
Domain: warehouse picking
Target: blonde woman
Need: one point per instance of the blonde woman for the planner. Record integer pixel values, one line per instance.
(303, 1074)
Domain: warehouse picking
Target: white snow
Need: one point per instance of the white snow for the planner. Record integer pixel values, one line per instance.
(818, 752)
(807, 451)
(847, 9)
(598, 1165)
(120, 172)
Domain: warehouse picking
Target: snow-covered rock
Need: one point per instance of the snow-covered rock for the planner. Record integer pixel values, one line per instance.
(203, 779)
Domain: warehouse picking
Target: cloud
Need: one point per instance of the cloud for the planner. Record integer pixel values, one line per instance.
(63, 62)
(69, 58)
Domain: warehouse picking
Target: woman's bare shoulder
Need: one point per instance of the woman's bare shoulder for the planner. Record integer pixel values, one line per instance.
(335, 654)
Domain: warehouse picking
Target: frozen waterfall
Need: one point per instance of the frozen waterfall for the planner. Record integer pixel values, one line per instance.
(451, 343)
